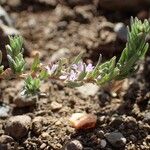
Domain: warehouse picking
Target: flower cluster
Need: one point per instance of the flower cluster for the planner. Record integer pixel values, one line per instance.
(72, 73)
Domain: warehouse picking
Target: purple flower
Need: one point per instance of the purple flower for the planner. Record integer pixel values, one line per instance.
(51, 69)
(74, 66)
(89, 67)
(73, 75)
(80, 66)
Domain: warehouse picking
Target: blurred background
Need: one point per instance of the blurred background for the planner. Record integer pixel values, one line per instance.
(58, 28)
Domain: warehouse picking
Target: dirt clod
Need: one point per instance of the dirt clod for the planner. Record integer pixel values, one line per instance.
(18, 126)
(24, 101)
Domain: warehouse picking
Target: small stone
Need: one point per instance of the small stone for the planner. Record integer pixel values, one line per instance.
(45, 135)
(116, 139)
(55, 106)
(83, 120)
(100, 134)
(5, 142)
(147, 117)
(116, 122)
(37, 124)
(91, 88)
(62, 25)
(6, 139)
(18, 126)
(43, 146)
(133, 138)
(147, 139)
(121, 31)
(103, 143)
(5, 111)
(73, 145)
(24, 101)
(130, 122)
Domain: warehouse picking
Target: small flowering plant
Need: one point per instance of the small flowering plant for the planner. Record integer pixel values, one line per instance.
(76, 72)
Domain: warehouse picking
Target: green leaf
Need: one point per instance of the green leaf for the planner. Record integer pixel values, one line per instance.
(36, 63)
(43, 75)
(95, 71)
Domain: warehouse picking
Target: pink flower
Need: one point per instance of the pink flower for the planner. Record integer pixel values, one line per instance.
(72, 76)
(51, 69)
(78, 67)
(89, 67)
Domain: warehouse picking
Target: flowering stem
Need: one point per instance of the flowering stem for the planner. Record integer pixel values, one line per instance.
(77, 72)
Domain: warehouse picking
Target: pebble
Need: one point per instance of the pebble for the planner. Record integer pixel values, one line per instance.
(45, 135)
(4, 111)
(116, 122)
(103, 143)
(55, 106)
(62, 25)
(17, 126)
(91, 88)
(147, 117)
(116, 139)
(43, 146)
(133, 138)
(37, 124)
(83, 120)
(73, 145)
(130, 122)
(100, 134)
(5, 142)
(121, 31)
(6, 139)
